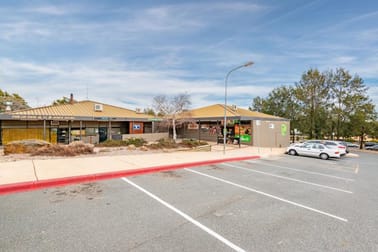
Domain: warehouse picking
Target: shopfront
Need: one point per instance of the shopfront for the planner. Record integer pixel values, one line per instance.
(243, 127)
(86, 121)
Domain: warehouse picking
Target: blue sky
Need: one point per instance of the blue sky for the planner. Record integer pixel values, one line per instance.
(126, 52)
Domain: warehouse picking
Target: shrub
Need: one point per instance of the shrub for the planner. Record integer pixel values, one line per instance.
(170, 144)
(138, 142)
(112, 143)
(73, 149)
(117, 143)
(24, 146)
(54, 150)
(81, 148)
(167, 143)
(192, 143)
(163, 143)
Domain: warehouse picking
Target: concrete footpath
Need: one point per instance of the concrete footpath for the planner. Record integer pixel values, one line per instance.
(31, 174)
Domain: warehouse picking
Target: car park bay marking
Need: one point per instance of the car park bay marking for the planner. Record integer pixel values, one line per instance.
(287, 178)
(303, 171)
(187, 217)
(269, 195)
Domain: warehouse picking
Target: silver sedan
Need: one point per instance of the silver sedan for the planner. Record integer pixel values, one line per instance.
(313, 150)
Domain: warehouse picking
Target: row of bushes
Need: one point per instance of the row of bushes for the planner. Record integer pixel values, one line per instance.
(137, 142)
(160, 144)
(73, 149)
(39, 148)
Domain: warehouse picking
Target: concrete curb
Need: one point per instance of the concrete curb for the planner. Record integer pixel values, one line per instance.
(35, 185)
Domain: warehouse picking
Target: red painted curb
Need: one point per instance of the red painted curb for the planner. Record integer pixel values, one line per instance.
(34, 185)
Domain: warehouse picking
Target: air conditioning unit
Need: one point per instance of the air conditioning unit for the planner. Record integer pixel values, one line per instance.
(98, 107)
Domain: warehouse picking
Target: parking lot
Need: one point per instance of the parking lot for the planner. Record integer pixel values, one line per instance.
(287, 203)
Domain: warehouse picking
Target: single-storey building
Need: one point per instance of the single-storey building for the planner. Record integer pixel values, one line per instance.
(88, 121)
(243, 126)
(94, 122)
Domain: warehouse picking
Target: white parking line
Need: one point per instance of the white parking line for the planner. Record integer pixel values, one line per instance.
(187, 217)
(287, 178)
(303, 171)
(269, 195)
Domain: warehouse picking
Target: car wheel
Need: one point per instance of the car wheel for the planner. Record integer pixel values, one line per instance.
(324, 156)
(292, 152)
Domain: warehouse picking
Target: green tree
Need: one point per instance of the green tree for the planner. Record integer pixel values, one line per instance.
(61, 101)
(280, 102)
(362, 122)
(323, 103)
(348, 95)
(14, 101)
(374, 129)
(258, 104)
(149, 111)
(312, 95)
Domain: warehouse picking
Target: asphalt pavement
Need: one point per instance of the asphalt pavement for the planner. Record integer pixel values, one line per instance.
(35, 173)
(275, 203)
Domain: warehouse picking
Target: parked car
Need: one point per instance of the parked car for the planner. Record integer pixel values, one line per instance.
(345, 144)
(314, 150)
(374, 147)
(369, 144)
(352, 145)
(329, 143)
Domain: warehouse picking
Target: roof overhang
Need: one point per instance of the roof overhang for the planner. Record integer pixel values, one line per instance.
(242, 118)
(70, 118)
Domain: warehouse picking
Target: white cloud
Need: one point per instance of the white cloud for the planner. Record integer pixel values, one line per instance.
(47, 10)
(13, 68)
(124, 56)
(174, 18)
(113, 83)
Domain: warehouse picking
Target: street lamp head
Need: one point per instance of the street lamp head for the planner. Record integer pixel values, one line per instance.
(249, 63)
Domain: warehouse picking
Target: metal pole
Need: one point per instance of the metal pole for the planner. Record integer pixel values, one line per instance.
(239, 132)
(81, 127)
(110, 130)
(199, 130)
(69, 132)
(44, 129)
(225, 102)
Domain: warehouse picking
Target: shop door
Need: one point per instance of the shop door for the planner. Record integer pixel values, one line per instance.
(62, 136)
(103, 134)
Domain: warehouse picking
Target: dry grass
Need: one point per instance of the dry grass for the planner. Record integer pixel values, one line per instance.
(170, 144)
(73, 149)
(163, 144)
(24, 146)
(43, 148)
(137, 142)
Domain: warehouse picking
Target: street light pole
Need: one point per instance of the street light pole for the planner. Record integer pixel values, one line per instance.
(225, 102)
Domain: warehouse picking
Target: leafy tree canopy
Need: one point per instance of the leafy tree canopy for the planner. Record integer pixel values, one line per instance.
(61, 101)
(12, 101)
(329, 104)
